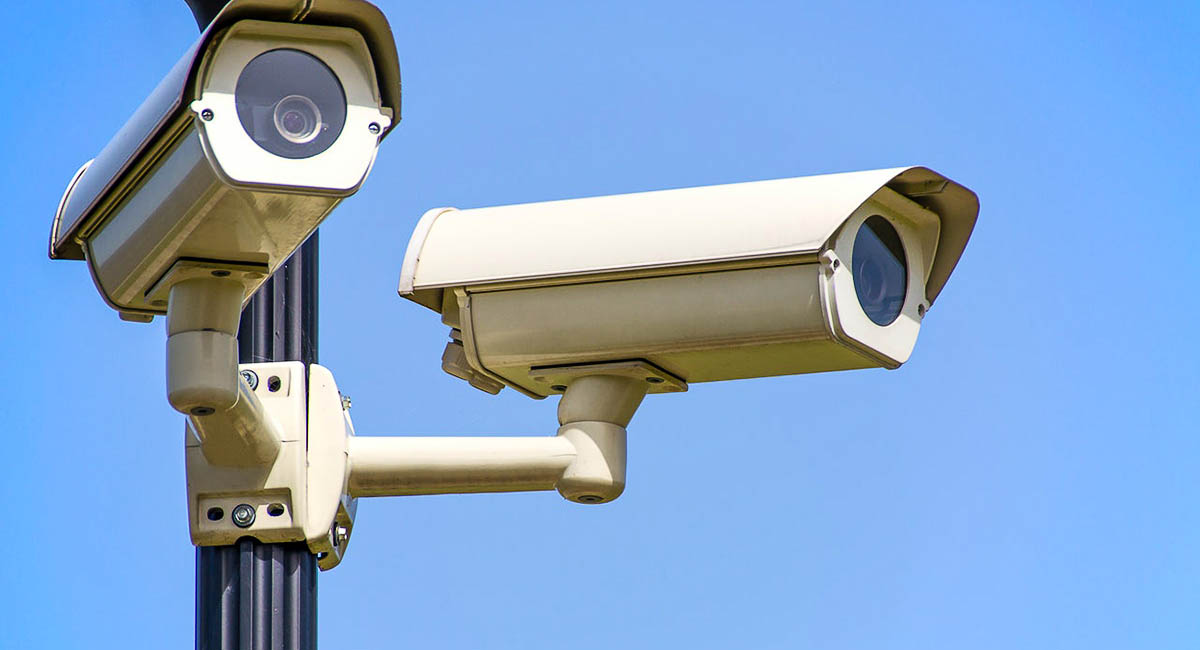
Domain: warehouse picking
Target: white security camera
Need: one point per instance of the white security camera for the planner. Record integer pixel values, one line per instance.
(606, 299)
(256, 134)
(776, 277)
(269, 120)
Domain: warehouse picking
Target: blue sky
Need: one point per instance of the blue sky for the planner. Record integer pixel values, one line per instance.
(1030, 479)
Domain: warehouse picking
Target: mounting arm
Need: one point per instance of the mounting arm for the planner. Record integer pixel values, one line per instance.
(309, 491)
(585, 461)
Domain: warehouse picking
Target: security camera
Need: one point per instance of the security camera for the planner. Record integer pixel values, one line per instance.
(257, 133)
(604, 300)
(668, 288)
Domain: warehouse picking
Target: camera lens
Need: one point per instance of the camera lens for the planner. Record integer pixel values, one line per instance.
(290, 103)
(297, 119)
(880, 270)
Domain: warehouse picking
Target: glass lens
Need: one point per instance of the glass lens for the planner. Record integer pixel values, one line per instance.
(880, 270)
(290, 103)
(297, 119)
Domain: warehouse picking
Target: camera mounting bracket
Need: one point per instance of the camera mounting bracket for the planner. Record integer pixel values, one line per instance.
(308, 490)
(300, 494)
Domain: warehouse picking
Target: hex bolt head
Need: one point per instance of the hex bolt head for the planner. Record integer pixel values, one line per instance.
(374, 128)
(206, 115)
(243, 515)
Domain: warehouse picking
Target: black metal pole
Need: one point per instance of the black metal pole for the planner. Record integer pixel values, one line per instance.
(256, 596)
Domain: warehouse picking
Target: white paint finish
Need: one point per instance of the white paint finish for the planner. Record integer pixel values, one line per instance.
(404, 465)
(330, 432)
(280, 480)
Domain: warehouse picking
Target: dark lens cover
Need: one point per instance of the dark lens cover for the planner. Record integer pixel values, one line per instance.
(880, 270)
(290, 103)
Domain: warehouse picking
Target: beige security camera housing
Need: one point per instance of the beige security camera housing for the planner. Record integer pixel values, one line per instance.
(778, 277)
(257, 133)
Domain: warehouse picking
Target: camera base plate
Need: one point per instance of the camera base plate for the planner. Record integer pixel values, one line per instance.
(657, 379)
(249, 274)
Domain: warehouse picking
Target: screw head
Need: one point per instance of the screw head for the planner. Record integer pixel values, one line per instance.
(374, 128)
(243, 515)
(251, 378)
(206, 115)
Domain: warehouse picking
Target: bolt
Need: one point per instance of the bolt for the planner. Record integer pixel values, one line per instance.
(243, 515)
(340, 535)
(373, 127)
(201, 411)
(206, 115)
(251, 378)
(345, 402)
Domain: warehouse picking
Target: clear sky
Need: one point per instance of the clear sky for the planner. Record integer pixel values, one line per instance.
(1031, 479)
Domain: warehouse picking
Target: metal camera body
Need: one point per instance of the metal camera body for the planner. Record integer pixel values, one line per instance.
(193, 182)
(777, 277)
(270, 119)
